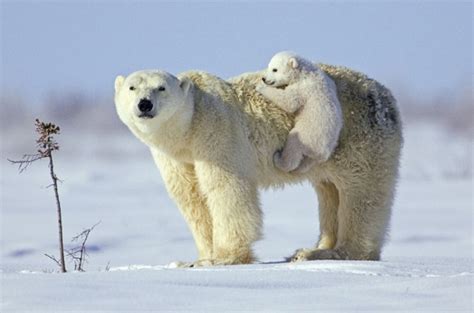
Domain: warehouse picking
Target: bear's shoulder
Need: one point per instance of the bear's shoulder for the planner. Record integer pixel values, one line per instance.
(204, 80)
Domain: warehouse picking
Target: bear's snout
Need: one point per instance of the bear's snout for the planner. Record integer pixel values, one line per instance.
(145, 105)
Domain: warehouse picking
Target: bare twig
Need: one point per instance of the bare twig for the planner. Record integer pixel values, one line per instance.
(79, 254)
(58, 206)
(46, 145)
(53, 258)
(107, 267)
(26, 161)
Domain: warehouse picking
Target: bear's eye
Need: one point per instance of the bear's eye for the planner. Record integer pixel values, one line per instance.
(161, 88)
(132, 88)
(274, 70)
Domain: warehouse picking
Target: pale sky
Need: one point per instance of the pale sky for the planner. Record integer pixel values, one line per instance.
(54, 46)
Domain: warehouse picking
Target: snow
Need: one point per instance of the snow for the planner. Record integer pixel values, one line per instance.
(427, 264)
(346, 286)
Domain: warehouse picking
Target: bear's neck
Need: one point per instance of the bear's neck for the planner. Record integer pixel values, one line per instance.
(172, 137)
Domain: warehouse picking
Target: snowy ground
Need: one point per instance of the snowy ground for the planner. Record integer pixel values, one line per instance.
(427, 264)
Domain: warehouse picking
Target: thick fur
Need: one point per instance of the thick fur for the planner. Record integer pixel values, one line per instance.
(301, 87)
(214, 140)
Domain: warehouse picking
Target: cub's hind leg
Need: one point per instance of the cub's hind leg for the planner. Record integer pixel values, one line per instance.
(292, 154)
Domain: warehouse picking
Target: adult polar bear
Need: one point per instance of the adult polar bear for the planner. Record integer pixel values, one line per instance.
(213, 142)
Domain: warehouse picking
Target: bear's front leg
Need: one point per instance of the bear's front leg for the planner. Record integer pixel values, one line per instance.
(181, 183)
(233, 203)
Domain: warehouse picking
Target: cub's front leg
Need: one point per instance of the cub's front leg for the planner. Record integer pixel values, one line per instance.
(286, 99)
(234, 207)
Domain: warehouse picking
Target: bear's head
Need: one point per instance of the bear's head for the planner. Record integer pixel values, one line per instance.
(147, 99)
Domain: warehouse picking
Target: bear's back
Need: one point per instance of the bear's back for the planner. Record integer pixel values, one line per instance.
(372, 125)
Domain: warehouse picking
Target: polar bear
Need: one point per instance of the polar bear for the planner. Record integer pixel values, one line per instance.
(213, 142)
(299, 86)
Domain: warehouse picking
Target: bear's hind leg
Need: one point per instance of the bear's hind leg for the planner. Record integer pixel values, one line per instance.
(363, 216)
(328, 198)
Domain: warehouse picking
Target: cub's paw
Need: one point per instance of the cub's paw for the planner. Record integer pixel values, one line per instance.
(279, 162)
(286, 164)
(277, 158)
(261, 88)
(305, 165)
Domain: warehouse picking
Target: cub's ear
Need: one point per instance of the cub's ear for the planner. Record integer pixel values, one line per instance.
(119, 82)
(293, 63)
(185, 84)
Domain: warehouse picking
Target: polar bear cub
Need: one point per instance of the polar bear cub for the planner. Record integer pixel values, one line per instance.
(298, 86)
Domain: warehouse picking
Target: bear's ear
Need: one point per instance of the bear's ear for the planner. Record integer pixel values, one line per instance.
(185, 84)
(119, 82)
(293, 63)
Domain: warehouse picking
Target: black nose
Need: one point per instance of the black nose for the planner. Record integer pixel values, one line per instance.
(145, 105)
(264, 80)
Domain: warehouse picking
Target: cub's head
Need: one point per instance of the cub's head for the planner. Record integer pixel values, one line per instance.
(285, 68)
(282, 70)
(147, 99)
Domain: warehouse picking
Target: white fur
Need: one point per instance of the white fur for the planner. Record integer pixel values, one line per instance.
(312, 96)
(213, 142)
(172, 107)
(203, 169)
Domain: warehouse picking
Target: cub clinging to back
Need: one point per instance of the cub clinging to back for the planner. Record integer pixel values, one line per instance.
(298, 86)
